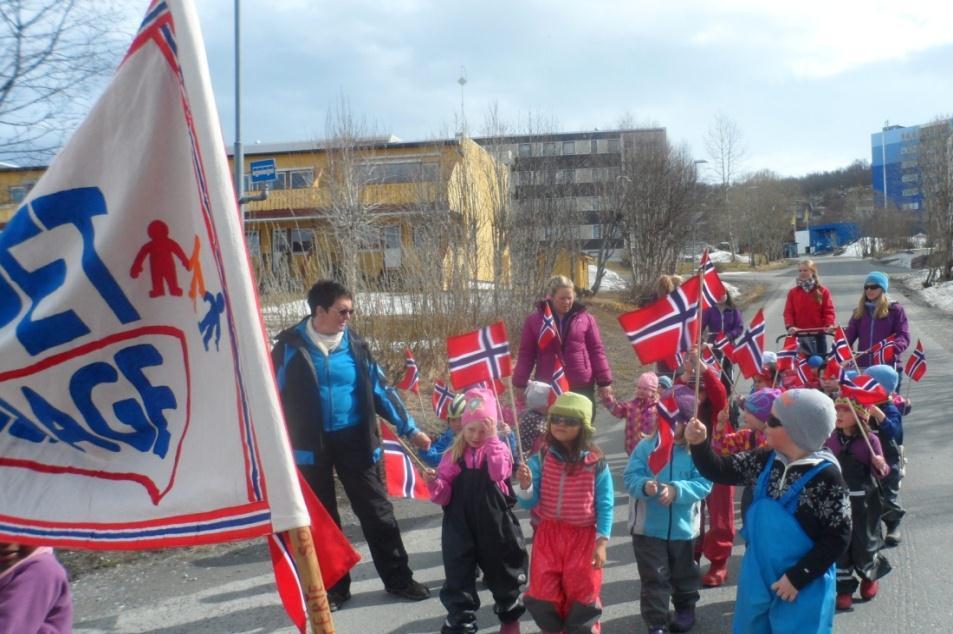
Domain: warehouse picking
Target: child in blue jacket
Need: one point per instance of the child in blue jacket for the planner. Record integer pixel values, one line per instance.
(432, 456)
(664, 519)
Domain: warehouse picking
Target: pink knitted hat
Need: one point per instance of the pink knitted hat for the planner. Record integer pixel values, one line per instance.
(648, 380)
(480, 408)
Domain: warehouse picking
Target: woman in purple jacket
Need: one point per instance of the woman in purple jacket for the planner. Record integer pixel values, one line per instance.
(579, 345)
(875, 319)
(723, 317)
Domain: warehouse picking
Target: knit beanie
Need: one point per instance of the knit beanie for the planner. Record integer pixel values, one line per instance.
(664, 382)
(878, 278)
(846, 403)
(572, 405)
(480, 409)
(457, 406)
(759, 403)
(537, 394)
(685, 399)
(807, 416)
(648, 380)
(769, 357)
(884, 375)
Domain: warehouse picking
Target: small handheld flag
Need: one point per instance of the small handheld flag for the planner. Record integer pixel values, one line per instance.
(841, 347)
(749, 353)
(442, 397)
(666, 326)
(411, 379)
(916, 366)
(479, 355)
(864, 389)
(547, 330)
(559, 384)
(402, 479)
(665, 436)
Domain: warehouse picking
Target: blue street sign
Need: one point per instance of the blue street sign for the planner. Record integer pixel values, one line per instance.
(262, 171)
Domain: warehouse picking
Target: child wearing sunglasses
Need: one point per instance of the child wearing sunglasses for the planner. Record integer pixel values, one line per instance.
(479, 528)
(799, 522)
(569, 483)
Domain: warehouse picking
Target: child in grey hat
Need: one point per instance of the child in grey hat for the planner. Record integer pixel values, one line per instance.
(799, 521)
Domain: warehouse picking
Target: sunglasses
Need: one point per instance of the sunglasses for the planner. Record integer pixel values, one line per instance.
(870, 287)
(565, 420)
(773, 421)
(346, 312)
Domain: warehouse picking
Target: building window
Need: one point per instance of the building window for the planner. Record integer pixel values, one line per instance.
(404, 172)
(371, 241)
(302, 240)
(596, 232)
(594, 146)
(564, 176)
(569, 147)
(18, 193)
(525, 150)
(911, 191)
(614, 146)
(253, 242)
(549, 149)
(909, 178)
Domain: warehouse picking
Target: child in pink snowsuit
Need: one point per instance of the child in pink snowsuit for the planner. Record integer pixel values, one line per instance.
(639, 413)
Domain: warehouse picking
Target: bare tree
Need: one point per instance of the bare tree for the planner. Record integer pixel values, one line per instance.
(765, 204)
(935, 158)
(726, 151)
(55, 55)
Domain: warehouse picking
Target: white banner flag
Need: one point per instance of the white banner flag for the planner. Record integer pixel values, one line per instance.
(137, 403)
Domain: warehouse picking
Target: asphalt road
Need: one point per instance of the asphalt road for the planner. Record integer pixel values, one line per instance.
(228, 589)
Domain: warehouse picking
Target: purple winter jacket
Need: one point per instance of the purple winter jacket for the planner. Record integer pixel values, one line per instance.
(869, 331)
(582, 353)
(35, 596)
(728, 321)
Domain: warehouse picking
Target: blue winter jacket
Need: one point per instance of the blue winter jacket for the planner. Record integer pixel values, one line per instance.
(679, 520)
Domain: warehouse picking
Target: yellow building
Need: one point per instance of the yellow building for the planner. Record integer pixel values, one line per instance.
(15, 184)
(393, 208)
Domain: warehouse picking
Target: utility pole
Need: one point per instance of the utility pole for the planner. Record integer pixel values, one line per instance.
(239, 155)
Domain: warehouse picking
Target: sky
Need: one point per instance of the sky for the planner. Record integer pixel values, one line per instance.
(806, 83)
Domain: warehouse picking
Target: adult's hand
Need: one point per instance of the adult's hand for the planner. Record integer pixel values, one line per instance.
(605, 392)
(791, 330)
(421, 440)
(695, 432)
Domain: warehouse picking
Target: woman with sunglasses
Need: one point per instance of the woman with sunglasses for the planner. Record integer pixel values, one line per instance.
(799, 521)
(569, 483)
(875, 319)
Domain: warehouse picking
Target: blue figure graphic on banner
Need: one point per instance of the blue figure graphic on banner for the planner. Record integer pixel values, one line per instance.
(211, 324)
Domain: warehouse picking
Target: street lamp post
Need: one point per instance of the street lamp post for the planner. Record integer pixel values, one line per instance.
(698, 215)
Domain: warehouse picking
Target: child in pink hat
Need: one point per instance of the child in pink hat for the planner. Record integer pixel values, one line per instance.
(639, 413)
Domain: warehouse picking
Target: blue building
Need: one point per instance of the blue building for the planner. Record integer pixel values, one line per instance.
(894, 165)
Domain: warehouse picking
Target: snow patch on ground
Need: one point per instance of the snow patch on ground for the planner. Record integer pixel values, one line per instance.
(611, 281)
(938, 295)
(720, 256)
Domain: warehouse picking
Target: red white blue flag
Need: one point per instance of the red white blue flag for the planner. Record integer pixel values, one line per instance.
(138, 407)
(479, 355)
(883, 352)
(547, 330)
(402, 479)
(749, 353)
(559, 384)
(834, 370)
(916, 363)
(712, 287)
(411, 379)
(665, 327)
(667, 409)
(442, 397)
(864, 389)
(841, 348)
(805, 373)
(788, 354)
(725, 346)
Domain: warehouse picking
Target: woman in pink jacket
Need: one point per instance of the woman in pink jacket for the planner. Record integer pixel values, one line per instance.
(578, 346)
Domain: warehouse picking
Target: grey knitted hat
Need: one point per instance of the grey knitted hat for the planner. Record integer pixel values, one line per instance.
(807, 416)
(537, 394)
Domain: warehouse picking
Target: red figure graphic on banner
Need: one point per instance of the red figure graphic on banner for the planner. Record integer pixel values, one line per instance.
(160, 250)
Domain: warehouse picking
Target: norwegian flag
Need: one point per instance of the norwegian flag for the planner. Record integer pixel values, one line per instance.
(479, 355)
(665, 437)
(547, 331)
(712, 288)
(749, 353)
(442, 397)
(666, 326)
(411, 380)
(559, 384)
(864, 389)
(883, 352)
(724, 345)
(399, 472)
(804, 371)
(335, 554)
(916, 363)
(834, 370)
(787, 355)
(709, 359)
(841, 347)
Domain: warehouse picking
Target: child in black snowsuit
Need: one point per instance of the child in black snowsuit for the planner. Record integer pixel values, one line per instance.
(479, 528)
(861, 471)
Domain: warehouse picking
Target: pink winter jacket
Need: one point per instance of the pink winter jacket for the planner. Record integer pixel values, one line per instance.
(499, 464)
(582, 353)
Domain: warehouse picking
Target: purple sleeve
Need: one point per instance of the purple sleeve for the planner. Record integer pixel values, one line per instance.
(526, 358)
(36, 598)
(597, 354)
(901, 329)
(735, 331)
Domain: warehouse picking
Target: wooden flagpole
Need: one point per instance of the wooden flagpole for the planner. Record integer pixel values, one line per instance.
(698, 337)
(410, 451)
(312, 584)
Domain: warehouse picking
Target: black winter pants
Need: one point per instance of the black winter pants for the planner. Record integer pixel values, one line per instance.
(347, 453)
(668, 571)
